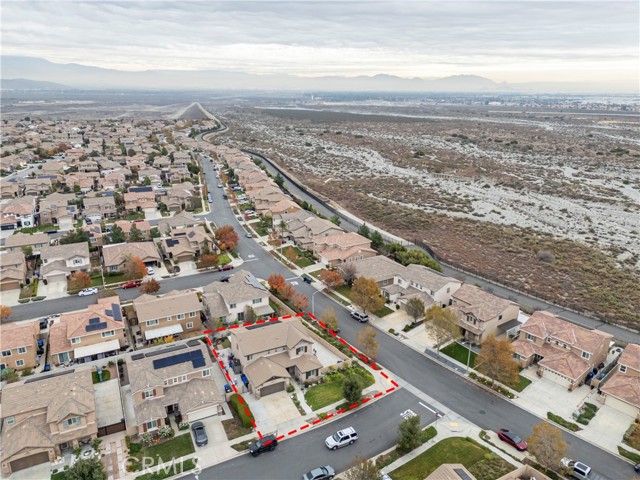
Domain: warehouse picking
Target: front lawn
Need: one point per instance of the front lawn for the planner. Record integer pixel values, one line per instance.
(523, 383)
(223, 259)
(330, 391)
(344, 290)
(383, 312)
(116, 278)
(133, 216)
(303, 262)
(460, 353)
(97, 281)
(164, 452)
(453, 450)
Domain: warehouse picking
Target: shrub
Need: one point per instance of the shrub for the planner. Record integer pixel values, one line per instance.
(183, 425)
(290, 388)
(241, 408)
(392, 331)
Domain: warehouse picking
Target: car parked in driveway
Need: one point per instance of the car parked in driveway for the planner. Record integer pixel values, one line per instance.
(131, 284)
(199, 434)
(321, 473)
(341, 438)
(512, 439)
(268, 443)
(150, 271)
(88, 291)
(360, 316)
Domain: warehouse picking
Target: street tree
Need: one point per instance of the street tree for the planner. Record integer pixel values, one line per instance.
(547, 445)
(300, 301)
(287, 291)
(207, 260)
(367, 341)
(79, 280)
(150, 286)
(496, 361)
(117, 234)
(349, 273)
(441, 324)
(5, 312)
(409, 434)
(135, 235)
(330, 319)
(134, 267)
(276, 282)
(279, 180)
(362, 469)
(365, 293)
(331, 278)
(352, 389)
(227, 237)
(415, 308)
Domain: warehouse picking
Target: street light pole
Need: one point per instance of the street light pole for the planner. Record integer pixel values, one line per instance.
(313, 309)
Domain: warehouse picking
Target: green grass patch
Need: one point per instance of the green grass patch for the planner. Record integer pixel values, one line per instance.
(589, 411)
(106, 375)
(26, 291)
(242, 446)
(39, 228)
(383, 312)
(223, 259)
(97, 281)
(460, 353)
(388, 458)
(344, 290)
(330, 391)
(561, 421)
(177, 447)
(337, 298)
(116, 278)
(632, 436)
(450, 450)
(523, 383)
(178, 468)
(303, 262)
(133, 216)
(634, 457)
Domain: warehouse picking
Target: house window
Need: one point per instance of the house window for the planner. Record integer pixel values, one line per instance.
(176, 380)
(586, 355)
(113, 268)
(189, 324)
(149, 394)
(249, 357)
(169, 318)
(151, 323)
(71, 421)
(75, 340)
(11, 420)
(257, 300)
(233, 305)
(623, 368)
(301, 349)
(152, 425)
(500, 317)
(530, 337)
(312, 373)
(19, 363)
(110, 333)
(206, 373)
(192, 314)
(22, 350)
(181, 316)
(6, 353)
(77, 261)
(166, 383)
(184, 378)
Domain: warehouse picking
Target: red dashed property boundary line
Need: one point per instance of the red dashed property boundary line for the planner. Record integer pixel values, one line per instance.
(359, 355)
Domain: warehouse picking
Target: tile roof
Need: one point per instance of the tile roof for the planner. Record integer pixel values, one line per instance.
(271, 336)
(343, 240)
(116, 254)
(65, 252)
(23, 239)
(173, 303)
(483, 305)
(624, 387)
(631, 357)
(567, 364)
(242, 287)
(264, 369)
(379, 268)
(428, 278)
(21, 334)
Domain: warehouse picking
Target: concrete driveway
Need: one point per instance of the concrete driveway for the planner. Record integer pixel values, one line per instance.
(52, 290)
(218, 448)
(607, 428)
(10, 297)
(272, 410)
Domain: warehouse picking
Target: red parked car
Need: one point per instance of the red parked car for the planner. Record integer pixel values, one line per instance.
(132, 284)
(224, 268)
(512, 439)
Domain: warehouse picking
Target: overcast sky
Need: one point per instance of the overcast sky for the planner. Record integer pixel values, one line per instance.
(513, 41)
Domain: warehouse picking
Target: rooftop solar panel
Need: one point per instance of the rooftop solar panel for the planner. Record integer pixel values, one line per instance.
(96, 326)
(94, 320)
(262, 325)
(165, 350)
(117, 313)
(137, 356)
(194, 356)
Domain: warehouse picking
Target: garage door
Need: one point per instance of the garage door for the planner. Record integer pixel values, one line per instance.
(554, 377)
(621, 406)
(10, 285)
(29, 461)
(203, 413)
(269, 389)
(60, 277)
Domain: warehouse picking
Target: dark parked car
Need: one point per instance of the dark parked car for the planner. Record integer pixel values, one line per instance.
(226, 278)
(512, 439)
(321, 473)
(199, 434)
(268, 443)
(360, 316)
(224, 268)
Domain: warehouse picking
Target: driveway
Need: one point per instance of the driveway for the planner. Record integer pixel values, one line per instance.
(272, 410)
(607, 428)
(10, 297)
(52, 290)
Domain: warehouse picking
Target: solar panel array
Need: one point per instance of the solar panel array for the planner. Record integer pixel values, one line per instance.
(171, 242)
(262, 325)
(94, 320)
(165, 350)
(194, 356)
(92, 327)
(117, 313)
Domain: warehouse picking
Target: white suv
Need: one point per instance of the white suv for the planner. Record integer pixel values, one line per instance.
(341, 438)
(360, 316)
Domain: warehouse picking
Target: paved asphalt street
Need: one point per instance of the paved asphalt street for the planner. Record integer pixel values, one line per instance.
(428, 377)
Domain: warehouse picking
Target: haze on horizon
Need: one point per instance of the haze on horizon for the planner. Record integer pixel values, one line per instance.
(516, 41)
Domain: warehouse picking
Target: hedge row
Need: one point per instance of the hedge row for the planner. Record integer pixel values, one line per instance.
(239, 405)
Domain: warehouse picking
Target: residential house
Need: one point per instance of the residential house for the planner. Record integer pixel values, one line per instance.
(342, 248)
(457, 471)
(19, 345)
(112, 181)
(285, 205)
(37, 186)
(179, 197)
(115, 256)
(13, 270)
(178, 382)
(302, 227)
(60, 261)
(178, 249)
(199, 239)
(622, 390)
(21, 210)
(54, 168)
(140, 201)
(227, 301)
(9, 189)
(44, 416)
(143, 226)
(88, 335)
(20, 241)
(98, 208)
(175, 313)
(55, 209)
(565, 352)
(178, 221)
(271, 354)
(88, 165)
(481, 313)
(96, 237)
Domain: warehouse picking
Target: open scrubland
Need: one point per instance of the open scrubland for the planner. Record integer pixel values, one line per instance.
(541, 199)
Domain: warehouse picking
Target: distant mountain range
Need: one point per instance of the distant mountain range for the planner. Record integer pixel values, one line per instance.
(27, 73)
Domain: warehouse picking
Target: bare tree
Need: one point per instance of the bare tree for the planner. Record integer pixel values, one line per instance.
(442, 324)
(349, 273)
(547, 445)
(362, 469)
(415, 308)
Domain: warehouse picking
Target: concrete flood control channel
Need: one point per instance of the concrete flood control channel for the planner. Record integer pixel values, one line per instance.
(358, 355)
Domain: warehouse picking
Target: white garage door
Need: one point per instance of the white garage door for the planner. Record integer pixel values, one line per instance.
(203, 413)
(269, 389)
(554, 377)
(622, 406)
